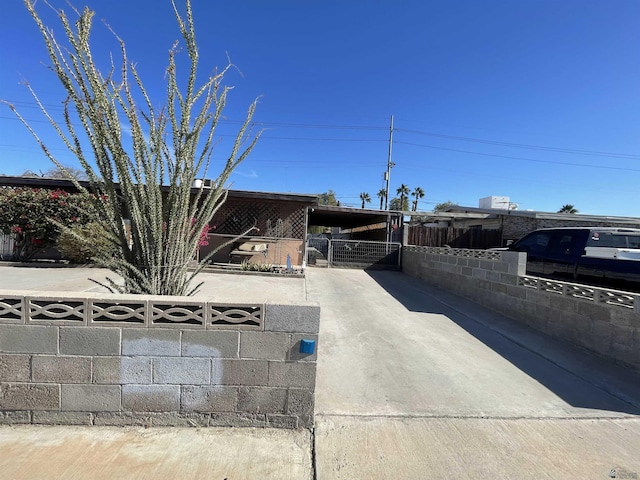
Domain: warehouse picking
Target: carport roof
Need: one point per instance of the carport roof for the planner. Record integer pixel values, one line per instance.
(345, 217)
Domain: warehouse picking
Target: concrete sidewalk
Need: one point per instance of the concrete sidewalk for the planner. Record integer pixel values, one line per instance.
(83, 453)
(476, 448)
(223, 287)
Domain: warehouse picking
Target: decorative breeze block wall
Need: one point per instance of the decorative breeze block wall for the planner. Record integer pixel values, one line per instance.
(602, 320)
(154, 361)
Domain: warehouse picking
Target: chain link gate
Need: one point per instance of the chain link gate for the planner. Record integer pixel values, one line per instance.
(354, 253)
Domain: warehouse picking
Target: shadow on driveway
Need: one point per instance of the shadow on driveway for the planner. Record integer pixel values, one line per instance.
(577, 376)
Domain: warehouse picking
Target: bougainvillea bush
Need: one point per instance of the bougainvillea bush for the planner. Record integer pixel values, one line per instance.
(35, 217)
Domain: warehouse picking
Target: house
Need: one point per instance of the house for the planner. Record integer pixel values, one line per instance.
(265, 228)
(508, 224)
(279, 222)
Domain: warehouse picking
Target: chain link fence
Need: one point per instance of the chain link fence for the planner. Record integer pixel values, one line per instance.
(364, 254)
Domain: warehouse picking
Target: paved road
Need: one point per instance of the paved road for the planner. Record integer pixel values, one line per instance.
(417, 383)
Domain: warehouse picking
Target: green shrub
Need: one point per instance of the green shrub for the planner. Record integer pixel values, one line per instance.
(264, 267)
(84, 243)
(256, 267)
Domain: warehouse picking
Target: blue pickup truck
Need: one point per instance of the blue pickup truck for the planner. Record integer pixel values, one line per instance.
(607, 257)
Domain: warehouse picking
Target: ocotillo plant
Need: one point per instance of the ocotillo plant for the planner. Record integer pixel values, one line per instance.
(146, 180)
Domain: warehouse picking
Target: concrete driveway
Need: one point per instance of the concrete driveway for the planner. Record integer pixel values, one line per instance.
(416, 383)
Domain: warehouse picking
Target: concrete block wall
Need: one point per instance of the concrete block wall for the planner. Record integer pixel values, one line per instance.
(154, 373)
(604, 321)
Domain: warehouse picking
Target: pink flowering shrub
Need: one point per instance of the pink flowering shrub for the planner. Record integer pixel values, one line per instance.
(34, 216)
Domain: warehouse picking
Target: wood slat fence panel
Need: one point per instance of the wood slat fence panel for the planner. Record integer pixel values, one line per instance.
(423, 236)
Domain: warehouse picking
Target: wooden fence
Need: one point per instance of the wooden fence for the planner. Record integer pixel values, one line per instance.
(6, 247)
(477, 238)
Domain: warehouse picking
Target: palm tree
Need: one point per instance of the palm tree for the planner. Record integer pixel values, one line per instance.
(382, 195)
(364, 196)
(404, 192)
(417, 193)
(568, 208)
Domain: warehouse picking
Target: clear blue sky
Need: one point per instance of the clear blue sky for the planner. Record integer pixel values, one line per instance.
(538, 100)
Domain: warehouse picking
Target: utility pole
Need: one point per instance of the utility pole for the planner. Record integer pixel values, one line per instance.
(390, 164)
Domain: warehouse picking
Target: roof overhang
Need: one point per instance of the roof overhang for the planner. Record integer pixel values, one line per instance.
(344, 217)
(55, 183)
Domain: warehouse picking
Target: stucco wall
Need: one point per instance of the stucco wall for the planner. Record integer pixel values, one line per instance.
(604, 321)
(154, 361)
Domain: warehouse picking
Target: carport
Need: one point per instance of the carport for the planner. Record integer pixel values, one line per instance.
(359, 223)
(359, 238)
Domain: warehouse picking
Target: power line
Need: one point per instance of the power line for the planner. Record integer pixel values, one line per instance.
(414, 132)
(374, 128)
(342, 163)
(311, 125)
(323, 164)
(522, 158)
(522, 145)
(267, 137)
(530, 181)
(23, 104)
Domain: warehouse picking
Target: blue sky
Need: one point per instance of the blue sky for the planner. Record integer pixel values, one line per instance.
(538, 100)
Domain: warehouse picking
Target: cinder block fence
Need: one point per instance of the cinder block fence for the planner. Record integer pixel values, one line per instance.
(602, 320)
(155, 361)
